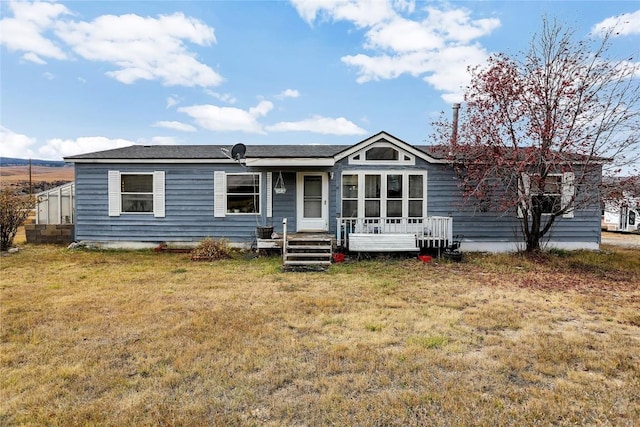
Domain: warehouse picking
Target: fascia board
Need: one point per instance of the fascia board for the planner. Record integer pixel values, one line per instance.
(283, 161)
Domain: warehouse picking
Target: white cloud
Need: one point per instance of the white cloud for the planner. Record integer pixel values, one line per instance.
(47, 75)
(144, 47)
(435, 44)
(227, 119)
(172, 100)
(15, 145)
(175, 126)
(623, 25)
(319, 124)
(224, 97)
(25, 30)
(32, 57)
(361, 13)
(161, 140)
(140, 48)
(288, 93)
(57, 148)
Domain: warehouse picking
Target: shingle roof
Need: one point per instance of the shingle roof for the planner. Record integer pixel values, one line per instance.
(211, 152)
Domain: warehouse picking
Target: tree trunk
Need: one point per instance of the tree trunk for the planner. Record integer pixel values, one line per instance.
(533, 239)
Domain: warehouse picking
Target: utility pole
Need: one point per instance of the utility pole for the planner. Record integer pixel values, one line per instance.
(30, 181)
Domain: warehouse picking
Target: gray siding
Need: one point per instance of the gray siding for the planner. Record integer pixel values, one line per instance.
(444, 198)
(189, 206)
(284, 205)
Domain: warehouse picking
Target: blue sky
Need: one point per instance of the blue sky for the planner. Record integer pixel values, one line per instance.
(83, 76)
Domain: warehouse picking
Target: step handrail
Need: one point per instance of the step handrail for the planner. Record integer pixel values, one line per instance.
(284, 240)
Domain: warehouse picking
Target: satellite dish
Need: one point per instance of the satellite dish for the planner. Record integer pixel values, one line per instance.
(238, 151)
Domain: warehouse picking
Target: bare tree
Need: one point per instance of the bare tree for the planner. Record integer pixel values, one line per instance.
(14, 210)
(537, 131)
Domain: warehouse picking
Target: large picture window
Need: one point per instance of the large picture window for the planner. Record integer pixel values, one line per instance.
(243, 193)
(392, 194)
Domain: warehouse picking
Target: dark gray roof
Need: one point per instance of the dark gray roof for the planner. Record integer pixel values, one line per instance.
(212, 152)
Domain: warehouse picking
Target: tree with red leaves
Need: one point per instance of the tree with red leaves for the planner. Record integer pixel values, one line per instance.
(536, 133)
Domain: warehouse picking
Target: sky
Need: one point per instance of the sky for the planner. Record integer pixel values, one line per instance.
(85, 76)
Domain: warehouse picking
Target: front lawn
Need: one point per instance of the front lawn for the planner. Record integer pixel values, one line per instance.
(144, 338)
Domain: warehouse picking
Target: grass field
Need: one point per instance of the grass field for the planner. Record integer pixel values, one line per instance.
(14, 175)
(143, 338)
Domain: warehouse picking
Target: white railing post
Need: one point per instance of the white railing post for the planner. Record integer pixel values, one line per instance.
(284, 239)
(338, 231)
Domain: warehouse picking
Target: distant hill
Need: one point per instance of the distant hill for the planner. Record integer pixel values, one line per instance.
(9, 161)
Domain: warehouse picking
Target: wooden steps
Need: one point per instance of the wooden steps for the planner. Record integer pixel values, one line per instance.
(308, 252)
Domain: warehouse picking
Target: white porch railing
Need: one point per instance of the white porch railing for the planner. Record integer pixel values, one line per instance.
(432, 231)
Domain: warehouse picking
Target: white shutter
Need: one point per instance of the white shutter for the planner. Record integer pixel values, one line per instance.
(114, 192)
(219, 194)
(269, 194)
(158, 194)
(568, 191)
(526, 186)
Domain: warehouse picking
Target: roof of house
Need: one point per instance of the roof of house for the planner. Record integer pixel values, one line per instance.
(253, 152)
(211, 152)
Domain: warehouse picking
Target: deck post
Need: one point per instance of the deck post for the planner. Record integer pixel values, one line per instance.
(284, 239)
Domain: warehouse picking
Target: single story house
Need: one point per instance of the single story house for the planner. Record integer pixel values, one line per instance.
(368, 195)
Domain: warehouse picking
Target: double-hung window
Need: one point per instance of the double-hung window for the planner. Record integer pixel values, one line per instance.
(552, 195)
(136, 193)
(236, 193)
(243, 193)
(547, 194)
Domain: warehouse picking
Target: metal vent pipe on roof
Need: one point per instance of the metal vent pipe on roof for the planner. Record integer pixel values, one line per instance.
(454, 131)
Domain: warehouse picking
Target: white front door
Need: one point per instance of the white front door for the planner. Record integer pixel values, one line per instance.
(313, 201)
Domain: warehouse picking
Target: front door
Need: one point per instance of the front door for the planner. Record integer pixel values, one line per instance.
(313, 201)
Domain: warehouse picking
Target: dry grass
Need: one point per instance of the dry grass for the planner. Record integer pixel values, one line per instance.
(17, 177)
(144, 338)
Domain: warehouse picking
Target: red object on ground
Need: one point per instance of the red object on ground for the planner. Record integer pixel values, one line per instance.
(424, 258)
(338, 257)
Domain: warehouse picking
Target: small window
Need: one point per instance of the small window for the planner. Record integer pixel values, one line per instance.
(243, 193)
(136, 191)
(381, 153)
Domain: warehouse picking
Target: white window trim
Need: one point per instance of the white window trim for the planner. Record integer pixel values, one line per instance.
(401, 156)
(114, 184)
(220, 194)
(383, 190)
